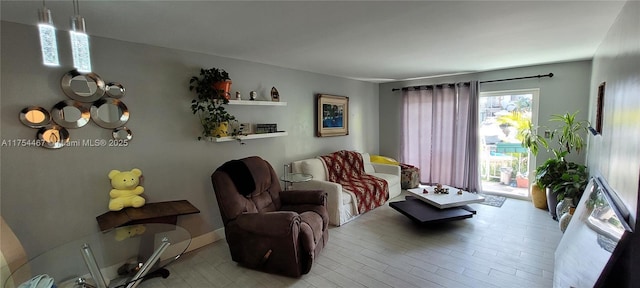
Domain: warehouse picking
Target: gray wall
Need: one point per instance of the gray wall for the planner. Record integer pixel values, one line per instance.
(52, 196)
(616, 153)
(567, 91)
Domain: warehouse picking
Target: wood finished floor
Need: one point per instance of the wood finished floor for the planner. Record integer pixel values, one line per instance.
(511, 246)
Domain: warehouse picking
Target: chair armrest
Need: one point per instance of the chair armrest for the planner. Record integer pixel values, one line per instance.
(386, 168)
(269, 224)
(297, 197)
(334, 196)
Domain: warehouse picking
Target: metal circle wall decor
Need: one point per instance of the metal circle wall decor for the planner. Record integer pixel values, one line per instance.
(122, 133)
(70, 114)
(35, 117)
(53, 136)
(115, 90)
(109, 113)
(83, 87)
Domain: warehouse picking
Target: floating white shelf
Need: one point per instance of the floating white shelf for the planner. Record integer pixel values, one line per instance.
(256, 103)
(249, 137)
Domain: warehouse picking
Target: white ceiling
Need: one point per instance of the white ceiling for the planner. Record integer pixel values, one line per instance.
(374, 41)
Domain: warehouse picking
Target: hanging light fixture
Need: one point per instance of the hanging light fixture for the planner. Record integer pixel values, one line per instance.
(79, 41)
(48, 43)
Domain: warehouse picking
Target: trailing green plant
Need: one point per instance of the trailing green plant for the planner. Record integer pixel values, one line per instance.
(548, 171)
(572, 182)
(567, 136)
(208, 104)
(565, 179)
(569, 133)
(531, 139)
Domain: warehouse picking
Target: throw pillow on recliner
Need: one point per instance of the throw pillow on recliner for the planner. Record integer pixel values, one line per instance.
(240, 176)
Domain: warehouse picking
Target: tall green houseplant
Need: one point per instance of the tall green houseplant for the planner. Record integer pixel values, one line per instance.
(212, 90)
(560, 177)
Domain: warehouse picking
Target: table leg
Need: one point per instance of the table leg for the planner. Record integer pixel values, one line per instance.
(137, 279)
(91, 263)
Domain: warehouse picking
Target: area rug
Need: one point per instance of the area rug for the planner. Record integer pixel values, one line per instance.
(493, 200)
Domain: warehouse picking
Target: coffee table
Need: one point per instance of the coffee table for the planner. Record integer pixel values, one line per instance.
(122, 257)
(435, 208)
(442, 201)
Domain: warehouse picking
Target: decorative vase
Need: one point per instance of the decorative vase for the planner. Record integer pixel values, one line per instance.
(552, 202)
(221, 130)
(538, 197)
(225, 87)
(564, 221)
(563, 206)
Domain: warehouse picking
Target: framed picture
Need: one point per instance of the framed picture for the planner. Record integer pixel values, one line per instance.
(332, 115)
(600, 107)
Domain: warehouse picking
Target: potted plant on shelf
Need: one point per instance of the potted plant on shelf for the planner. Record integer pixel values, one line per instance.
(212, 89)
(559, 177)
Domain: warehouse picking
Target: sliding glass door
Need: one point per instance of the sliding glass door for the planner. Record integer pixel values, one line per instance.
(506, 167)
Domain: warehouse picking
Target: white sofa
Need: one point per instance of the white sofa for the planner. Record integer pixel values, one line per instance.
(341, 205)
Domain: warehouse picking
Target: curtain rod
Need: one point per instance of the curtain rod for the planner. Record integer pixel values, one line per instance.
(481, 82)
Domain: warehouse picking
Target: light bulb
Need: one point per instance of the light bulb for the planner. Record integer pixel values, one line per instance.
(80, 45)
(48, 43)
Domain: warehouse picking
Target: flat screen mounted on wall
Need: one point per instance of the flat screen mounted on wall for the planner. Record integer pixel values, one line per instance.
(594, 239)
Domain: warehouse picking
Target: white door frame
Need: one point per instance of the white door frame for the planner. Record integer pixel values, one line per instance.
(535, 100)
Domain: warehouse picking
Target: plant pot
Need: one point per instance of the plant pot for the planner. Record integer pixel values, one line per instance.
(522, 182)
(221, 130)
(538, 197)
(552, 203)
(224, 87)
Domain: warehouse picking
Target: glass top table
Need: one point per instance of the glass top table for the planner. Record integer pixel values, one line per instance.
(289, 178)
(120, 257)
(296, 177)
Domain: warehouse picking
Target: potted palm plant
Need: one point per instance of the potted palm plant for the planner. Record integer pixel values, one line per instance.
(560, 178)
(212, 89)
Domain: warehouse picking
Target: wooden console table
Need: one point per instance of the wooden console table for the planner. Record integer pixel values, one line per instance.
(160, 212)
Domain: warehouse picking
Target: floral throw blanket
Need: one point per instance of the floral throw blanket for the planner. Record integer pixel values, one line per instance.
(347, 169)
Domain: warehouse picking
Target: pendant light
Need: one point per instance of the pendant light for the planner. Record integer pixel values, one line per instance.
(79, 41)
(48, 43)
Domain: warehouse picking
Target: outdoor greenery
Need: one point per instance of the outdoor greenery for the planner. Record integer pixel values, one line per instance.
(517, 120)
(564, 178)
(512, 123)
(208, 104)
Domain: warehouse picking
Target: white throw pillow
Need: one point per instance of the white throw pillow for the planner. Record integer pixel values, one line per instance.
(315, 168)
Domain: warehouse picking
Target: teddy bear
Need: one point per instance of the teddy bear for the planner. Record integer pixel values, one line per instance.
(126, 191)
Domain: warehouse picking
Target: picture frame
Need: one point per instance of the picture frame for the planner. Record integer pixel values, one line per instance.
(600, 107)
(332, 115)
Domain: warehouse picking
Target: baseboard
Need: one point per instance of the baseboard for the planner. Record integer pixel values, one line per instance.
(206, 239)
(197, 242)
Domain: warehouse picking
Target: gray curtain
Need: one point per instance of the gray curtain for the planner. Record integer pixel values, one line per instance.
(440, 134)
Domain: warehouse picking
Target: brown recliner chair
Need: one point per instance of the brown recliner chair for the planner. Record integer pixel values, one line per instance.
(268, 229)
